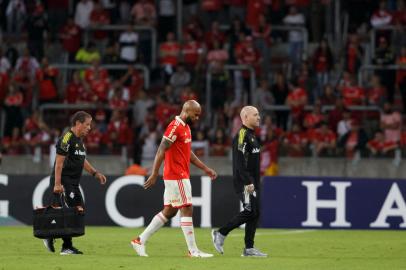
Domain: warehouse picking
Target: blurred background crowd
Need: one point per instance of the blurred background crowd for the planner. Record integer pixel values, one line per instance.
(328, 76)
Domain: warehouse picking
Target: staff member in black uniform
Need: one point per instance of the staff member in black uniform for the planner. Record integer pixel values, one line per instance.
(69, 164)
(246, 176)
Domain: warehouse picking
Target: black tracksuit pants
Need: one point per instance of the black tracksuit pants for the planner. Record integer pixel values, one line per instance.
(249, 216)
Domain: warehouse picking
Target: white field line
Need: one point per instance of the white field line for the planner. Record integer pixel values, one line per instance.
(274, 233)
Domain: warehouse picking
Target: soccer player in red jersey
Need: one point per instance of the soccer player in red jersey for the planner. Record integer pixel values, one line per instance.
(175, 149)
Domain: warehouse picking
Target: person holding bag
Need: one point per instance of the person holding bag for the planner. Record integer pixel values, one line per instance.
(69, 164)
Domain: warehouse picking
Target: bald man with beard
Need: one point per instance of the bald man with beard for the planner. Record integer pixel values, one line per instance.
(246, 176)
(175, 150)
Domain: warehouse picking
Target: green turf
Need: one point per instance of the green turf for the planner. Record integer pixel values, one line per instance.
(108, 248)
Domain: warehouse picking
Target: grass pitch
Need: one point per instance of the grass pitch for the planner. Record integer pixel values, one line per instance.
(109, 248)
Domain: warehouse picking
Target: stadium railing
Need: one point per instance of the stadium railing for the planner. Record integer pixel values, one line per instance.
(365, 68)
(120, 28)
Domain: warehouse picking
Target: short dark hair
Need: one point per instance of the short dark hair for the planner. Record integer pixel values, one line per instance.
(80, 116)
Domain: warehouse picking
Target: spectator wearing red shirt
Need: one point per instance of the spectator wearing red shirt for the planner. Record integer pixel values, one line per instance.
(164, 111)
(214, 35)
(95, 70)
(24, 84)
(100, 87)
(376, 93)
(169, 53)
(353, 94)
(379, 146)
(401, 76)
(76, 91)
(313, 119)
(295, 141)
(297, 100)
(35, 131)
(192, 53)
(47, 79)
(254, 9)
(99, 17)
(323, 63)
(13, 108)
(70, 34)
(118, 132)
(353, 54)
(324, 141)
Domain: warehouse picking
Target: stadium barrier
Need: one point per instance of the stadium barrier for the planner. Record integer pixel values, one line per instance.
(287, 202)
(333, 203)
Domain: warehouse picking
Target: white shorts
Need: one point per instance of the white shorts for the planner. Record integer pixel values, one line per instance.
(178, 193)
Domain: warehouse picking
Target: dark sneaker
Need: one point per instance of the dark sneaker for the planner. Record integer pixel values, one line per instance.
(218, 241)
(71, 251)
(49, 244)
(252, 252)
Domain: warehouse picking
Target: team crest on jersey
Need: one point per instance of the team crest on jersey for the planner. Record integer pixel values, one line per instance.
(255, 150)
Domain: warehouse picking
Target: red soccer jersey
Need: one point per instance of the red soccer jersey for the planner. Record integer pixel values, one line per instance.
(353, 95)
(254, 9)
(91, 73)
(311, 120)
(328, 137)
(177, 157)
(170, 51)
(380, 146)
(71, 38)
(100, 17)
(191, 52)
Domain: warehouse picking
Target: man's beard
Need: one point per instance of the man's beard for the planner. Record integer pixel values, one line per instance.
(189, 121)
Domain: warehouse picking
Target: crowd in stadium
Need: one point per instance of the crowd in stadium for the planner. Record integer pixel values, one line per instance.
(215, 33)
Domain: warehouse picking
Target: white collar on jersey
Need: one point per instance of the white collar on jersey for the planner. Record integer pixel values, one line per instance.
(180, 120)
